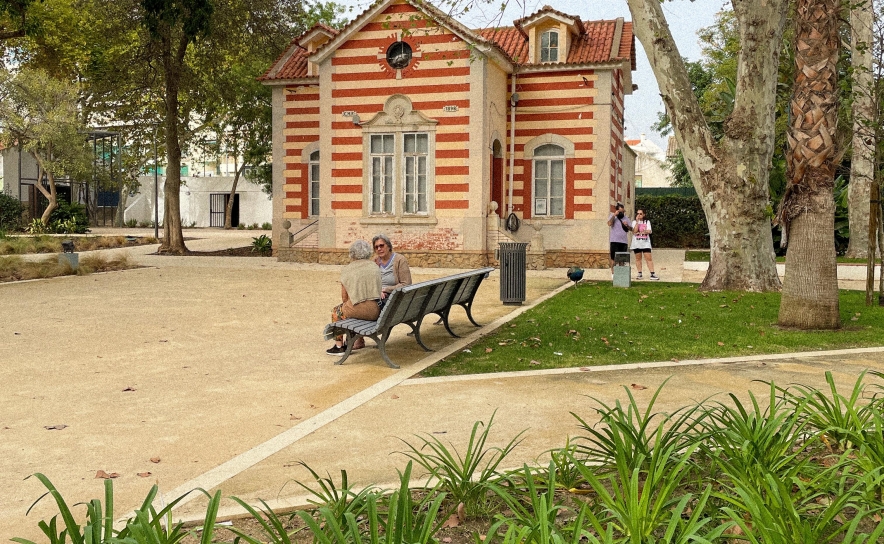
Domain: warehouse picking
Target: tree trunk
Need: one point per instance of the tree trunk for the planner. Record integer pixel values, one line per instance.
(51, 195)
(862, 162)
(731, 175)
(120, 215)
(807, 211)
(228, 212)
(173, 237)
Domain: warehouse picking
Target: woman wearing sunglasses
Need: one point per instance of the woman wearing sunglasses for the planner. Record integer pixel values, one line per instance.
(394, 267)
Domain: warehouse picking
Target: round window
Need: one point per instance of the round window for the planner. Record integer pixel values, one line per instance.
(399, 55)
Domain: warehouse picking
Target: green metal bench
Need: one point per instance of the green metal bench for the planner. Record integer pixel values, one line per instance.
(409, 305)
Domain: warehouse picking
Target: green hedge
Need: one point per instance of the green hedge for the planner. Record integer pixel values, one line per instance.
(678, 221)
(11, 211)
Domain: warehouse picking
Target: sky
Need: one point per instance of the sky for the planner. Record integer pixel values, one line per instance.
(685, 18)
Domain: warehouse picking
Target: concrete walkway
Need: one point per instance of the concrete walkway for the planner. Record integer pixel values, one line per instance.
(210, 371)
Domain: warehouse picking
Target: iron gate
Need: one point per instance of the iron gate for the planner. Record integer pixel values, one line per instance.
(218, 210)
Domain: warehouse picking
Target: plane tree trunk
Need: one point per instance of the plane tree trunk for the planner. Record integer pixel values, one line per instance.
(730, 175)
(807, 211)
(862, 162)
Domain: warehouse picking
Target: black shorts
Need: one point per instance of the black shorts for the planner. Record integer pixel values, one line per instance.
(642, 250)
(618, 247)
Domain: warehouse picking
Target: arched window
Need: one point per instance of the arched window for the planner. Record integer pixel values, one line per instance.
(313, 173)
(549, 46)
(549, 181)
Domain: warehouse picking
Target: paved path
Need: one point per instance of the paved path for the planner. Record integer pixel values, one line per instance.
(215, 366)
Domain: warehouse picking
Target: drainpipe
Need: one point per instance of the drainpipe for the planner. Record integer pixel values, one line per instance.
(514, 99)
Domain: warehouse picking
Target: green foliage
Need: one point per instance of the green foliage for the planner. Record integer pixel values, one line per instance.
(679, 170)
(69, 218)
(628, 438)
(394, 519)
(262, 245)
(678, 221)
(147, 526)
(338, 500)
(466, 478)
(11, 213)
(266, 226)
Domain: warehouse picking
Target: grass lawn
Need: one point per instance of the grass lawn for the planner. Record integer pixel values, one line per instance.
(598, 324)
(702, 256)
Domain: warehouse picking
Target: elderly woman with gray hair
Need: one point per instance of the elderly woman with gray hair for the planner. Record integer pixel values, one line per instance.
(360, 292)
(394, 267)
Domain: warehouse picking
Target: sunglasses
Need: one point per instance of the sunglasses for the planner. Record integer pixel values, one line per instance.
(380, 246)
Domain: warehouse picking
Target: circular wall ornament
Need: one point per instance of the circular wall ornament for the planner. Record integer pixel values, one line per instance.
(399, 55)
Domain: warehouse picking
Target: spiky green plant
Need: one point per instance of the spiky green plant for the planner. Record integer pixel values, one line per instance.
(394, 519)
(626, 436)
(837, 417)
(339, 499)
(750, 443)
(272, 525)
(464, 477)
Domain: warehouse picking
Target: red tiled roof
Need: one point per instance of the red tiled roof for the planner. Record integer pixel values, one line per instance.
(593, 46)
(296, 65)
(510, 40)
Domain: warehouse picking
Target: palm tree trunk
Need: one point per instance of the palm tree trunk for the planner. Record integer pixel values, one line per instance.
(807, 211)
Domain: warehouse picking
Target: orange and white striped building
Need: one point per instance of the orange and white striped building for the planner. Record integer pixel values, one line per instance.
(406, 122)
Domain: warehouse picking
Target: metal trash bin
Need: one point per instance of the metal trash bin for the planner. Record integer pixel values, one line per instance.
(622, 270)
(513, 263)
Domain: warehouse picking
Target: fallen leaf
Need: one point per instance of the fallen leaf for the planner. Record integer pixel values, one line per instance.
(854, 318)
(154, 459)
(394, 397)
(533, 362)
(489, 350)
(446, 540)
(293, 417)
(144, 474)
(106, 476)
(644, 297)
(674, 360)
(572, 331)
(585, 369)
(130, 388)
(56, 427)
(721, 343)
(451, 522)
(723, 306)
(637, 387)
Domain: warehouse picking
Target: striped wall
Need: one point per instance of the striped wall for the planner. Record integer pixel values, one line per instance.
(561, 103)
(300, 130)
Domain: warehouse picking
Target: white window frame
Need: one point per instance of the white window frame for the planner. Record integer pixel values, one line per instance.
(313, 183)
(414, 200)
(385, 191)
(549, 52)
(399, 120)
(542, 204)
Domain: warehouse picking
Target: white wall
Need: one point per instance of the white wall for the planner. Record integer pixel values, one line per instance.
(254, 204)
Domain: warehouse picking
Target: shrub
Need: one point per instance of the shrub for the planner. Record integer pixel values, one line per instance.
(678, 221)
(266, 226)
(11, 213)
(131, 223)
(262, 244)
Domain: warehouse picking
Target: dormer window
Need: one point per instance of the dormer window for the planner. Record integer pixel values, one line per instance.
(549, 46)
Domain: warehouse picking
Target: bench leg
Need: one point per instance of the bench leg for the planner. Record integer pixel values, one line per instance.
(382, 346)
(417, 334)
(469, 308)
(443, 317)
(351, 339)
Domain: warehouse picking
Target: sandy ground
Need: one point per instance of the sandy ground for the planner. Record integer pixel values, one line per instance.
(216, 367)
